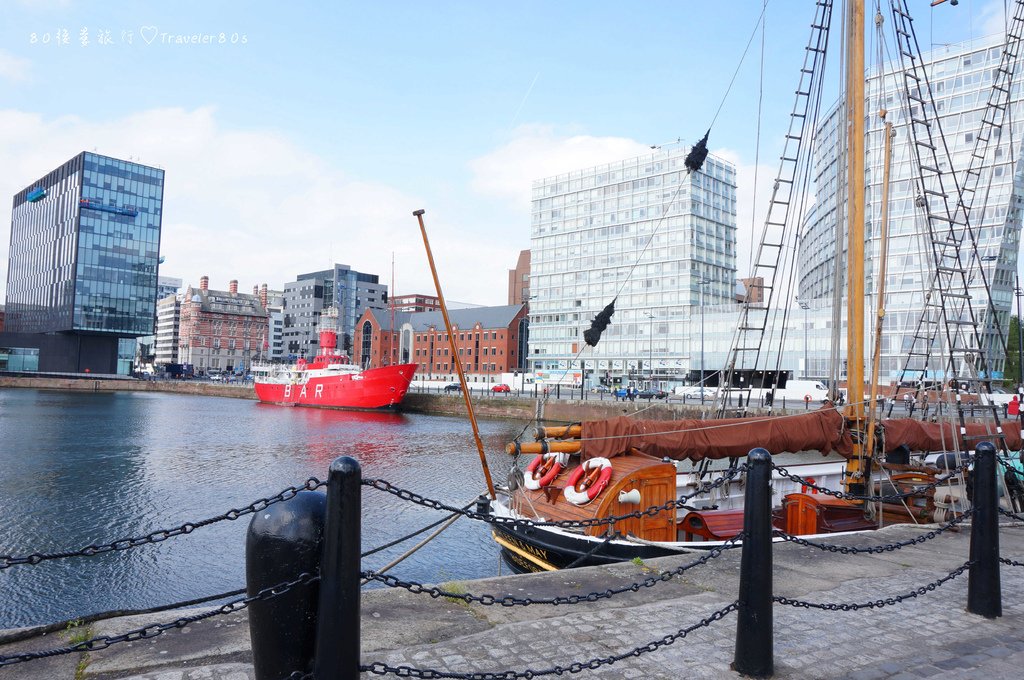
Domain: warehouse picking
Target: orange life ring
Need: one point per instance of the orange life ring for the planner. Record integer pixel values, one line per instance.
(588, 480)
(543, 470)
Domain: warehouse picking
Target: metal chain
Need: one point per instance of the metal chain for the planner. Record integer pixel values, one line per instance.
(379, 668)
(311, 484)
(1008, 464)
(512, 601)
(891, 498)
(1012, 563)
(155, 629)
(418, 499)
(878, 549)
(1011, 515)
(848, 607)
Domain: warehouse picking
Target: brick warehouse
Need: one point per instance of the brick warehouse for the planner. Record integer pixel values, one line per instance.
(489, 340)
(221, 331)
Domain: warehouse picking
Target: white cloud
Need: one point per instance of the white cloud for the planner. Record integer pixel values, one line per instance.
(249, 205)
(536, 152)
(13, 68)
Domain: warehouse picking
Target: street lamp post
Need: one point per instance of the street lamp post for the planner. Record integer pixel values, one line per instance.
(650, 350)
(804, 305)
(702, 282)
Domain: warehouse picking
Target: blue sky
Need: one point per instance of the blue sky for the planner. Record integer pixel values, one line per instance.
(311, 131)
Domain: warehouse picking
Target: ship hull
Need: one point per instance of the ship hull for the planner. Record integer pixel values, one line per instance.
(372, 389)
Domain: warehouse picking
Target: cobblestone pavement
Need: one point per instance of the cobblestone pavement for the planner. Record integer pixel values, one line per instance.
(928, 636)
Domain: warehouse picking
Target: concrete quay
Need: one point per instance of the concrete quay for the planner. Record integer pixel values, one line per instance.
(927, 636)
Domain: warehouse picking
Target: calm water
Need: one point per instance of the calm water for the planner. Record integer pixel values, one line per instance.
(77, 469)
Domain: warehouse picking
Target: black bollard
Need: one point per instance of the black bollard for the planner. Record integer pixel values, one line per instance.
(754, 636)
(282, 542)
(983, 590)
(337, 635)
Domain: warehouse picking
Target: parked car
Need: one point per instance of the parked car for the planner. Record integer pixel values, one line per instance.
(695, 391)
(501, 388)
(453, 387)
(622, 393)
(651, 394)
(601, 389)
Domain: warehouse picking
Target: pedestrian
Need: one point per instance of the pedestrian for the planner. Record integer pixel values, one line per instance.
(632, 393)
(907, 399)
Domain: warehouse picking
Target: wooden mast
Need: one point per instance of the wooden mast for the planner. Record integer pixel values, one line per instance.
(859, 466)
(883, 256)
(455, 355)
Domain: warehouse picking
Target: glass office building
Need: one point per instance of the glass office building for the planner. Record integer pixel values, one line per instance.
(591, 242)
(85, 242)
(961, 80)
(84, 255)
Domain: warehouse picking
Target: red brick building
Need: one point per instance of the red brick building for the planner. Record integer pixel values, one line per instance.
(489, 341)
(519, 279)
(221, 331)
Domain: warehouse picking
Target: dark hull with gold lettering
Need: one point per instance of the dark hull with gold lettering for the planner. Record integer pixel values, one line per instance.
(526, 550)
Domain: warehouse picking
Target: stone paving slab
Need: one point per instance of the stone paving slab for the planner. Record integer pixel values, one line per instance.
(930, 636)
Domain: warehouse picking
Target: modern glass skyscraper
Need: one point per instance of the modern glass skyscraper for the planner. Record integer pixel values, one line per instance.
(84, 254)
(591, 242)
(961, 80)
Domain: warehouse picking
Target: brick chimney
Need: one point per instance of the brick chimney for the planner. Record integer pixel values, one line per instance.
(233, 286)
(204, 283)
(263, 295)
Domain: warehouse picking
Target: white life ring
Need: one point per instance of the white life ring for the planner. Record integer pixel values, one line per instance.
(584, 485)
(543, 470)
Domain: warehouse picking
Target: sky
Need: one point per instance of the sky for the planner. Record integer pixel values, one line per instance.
(298, 134)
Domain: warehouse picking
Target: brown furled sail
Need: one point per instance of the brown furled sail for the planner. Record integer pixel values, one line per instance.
(822, 430)
(923, 436)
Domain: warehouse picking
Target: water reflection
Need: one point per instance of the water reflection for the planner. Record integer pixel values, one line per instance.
(93, 468)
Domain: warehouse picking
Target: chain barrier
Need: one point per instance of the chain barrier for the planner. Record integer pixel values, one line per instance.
(155, 629)
(891, 498)
(1012, 563)
(1011, 515)
(512, 601)
(854, 606)
(878, 549)
(379, 668)
(161, 535)
(653, 511)
(1010, 467)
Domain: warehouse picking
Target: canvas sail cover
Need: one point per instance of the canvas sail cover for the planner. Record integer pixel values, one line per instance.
(922, 436)
(823, 431)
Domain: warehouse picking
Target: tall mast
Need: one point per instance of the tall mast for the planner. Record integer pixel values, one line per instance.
(858, 468)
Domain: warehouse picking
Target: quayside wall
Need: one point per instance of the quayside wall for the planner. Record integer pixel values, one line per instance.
(485, 406)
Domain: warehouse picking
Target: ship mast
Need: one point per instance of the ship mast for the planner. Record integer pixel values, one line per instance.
(859, 466)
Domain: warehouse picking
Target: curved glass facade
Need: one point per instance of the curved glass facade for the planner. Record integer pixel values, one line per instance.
(961, 79)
